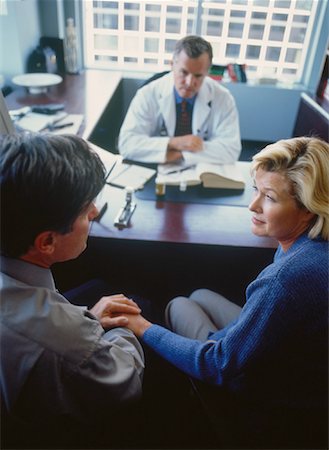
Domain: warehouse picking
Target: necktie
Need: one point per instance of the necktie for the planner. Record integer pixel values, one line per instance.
(183, 123)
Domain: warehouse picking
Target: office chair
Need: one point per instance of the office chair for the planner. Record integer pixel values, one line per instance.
(312, 120)
(155, 77)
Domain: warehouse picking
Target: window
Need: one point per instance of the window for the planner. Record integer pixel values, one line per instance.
(270, 36)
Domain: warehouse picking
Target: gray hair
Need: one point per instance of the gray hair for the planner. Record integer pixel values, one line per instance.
(193, 46)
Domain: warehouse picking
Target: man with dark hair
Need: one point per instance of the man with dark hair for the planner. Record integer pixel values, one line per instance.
(183, 116)
(60, 368)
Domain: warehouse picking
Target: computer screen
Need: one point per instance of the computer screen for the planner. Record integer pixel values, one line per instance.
(6, 124)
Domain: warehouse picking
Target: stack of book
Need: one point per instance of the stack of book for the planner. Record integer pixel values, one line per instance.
(237, 72)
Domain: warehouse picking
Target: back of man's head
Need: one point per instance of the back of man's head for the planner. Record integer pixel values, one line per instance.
(46, 181)
(193, 46)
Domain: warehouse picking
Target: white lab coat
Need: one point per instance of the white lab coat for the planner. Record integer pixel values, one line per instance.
(151, 121)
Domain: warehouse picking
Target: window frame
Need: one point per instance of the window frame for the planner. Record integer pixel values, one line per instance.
(308, 74)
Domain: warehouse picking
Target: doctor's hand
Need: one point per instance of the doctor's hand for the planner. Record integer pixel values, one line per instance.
(108, 310)
(189, 143)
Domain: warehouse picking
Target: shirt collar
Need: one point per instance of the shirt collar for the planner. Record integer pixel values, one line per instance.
(179, 99)
(27, 273)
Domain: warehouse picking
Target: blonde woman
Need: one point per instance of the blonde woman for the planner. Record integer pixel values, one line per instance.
(272, 353)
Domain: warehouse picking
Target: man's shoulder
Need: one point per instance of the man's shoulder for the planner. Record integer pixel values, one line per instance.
(39, 314)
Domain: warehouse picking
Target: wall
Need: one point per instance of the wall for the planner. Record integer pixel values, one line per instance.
(19, 35)
(267, 113)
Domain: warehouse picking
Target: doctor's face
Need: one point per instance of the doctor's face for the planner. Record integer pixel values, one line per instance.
(189, 73)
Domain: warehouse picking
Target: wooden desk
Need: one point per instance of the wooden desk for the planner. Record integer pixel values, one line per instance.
(189, 223)
(89, 94)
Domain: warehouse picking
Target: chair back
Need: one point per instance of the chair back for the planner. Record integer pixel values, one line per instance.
(312, 119)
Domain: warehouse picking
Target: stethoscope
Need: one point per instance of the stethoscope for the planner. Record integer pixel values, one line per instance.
(163, 129)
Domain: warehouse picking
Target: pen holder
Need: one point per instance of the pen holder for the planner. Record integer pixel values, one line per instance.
(124, 215)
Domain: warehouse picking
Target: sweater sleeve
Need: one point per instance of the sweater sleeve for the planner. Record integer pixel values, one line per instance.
(186, 354)
(280, 313)
(231, 352)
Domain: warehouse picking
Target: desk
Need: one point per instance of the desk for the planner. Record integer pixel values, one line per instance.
(89, 94)
(188, 223)
(168, 248)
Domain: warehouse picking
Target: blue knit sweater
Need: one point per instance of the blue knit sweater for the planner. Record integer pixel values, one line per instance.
(276, 351)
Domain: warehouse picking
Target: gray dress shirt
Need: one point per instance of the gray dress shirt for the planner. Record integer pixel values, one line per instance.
(56, 359)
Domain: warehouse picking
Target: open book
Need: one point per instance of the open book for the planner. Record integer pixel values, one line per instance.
(225, 176)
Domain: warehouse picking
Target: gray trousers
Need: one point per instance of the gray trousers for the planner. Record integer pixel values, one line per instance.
(203, 311)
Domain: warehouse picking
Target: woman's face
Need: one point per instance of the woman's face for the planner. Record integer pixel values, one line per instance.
(275, 211)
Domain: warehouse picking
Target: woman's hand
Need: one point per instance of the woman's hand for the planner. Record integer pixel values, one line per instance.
(137, 324)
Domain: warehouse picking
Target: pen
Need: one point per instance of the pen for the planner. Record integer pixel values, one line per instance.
(179, 170)
(101, 213)
(61, 125)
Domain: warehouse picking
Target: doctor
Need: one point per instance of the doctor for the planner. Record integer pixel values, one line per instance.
(152, 132)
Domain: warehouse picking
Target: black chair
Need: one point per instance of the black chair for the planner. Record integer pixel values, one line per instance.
(155, 77)
(312, 120)
(6, 90)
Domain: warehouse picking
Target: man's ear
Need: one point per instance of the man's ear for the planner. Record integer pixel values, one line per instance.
(45, 242)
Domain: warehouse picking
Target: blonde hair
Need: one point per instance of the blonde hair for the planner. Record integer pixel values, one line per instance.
(304, 161)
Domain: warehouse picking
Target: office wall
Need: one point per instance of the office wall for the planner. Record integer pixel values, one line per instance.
(19, 35)
(267, 113)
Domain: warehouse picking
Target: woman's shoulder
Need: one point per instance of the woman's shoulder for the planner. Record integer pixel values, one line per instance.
(309, 251)
(304, 264)
(299, 277)
(307, 259)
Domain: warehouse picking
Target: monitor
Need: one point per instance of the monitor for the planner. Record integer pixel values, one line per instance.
(6, 124)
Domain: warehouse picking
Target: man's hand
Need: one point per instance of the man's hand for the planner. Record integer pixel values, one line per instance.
(189, 143)
(108, 310)
(173, 156)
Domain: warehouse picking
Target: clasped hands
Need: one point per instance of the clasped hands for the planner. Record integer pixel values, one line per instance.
(120, 311)
(188, 143)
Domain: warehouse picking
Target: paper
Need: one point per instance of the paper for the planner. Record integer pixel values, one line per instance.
(75, 119)
(38, 122)
(108, 158)
(130, 175)
(176, 174)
